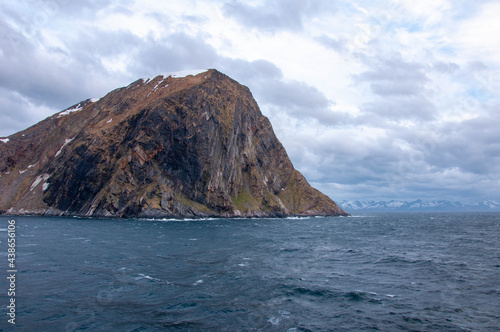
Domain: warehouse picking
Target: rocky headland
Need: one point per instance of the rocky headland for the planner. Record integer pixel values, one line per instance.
(193, 146)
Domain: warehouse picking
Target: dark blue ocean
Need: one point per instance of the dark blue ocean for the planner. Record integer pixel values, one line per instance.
(386, 272)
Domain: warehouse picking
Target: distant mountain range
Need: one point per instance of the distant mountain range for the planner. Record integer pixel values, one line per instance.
(417, 206)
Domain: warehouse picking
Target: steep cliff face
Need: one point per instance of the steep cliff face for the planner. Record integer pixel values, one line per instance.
(168, 146)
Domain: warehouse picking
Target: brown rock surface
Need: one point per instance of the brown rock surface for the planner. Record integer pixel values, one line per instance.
(194, 146)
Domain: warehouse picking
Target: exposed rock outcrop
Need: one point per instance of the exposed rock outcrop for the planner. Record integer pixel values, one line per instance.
(166, 147)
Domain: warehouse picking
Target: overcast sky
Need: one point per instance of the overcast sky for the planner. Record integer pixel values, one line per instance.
(394, 99)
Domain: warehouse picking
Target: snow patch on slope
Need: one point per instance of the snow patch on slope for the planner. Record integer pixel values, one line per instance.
(66, 142)
(71, 110)
(185, 73)
(178, 74)
(156, 87)
(39, 179)
(5, 140)
(30, 166)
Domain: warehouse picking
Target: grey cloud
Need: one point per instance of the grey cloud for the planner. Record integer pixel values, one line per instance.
(457, 159)
(461, 158)
(399, 88)
(175, 52)
(16, 112)
(95, 44)
(405, 107)
(276, 15)
(439, 161)
(65, 76)
(394, 71)
(294, 95)
(472, 146)
(31, 75)
(342, 157)
(79, 8)
(55, 77)
(196, 19)
(477, 66)
(46, 12)
(452, 163)
(394, 88)
(332, 43)
(58, 78)
(297, 99)
(252, 71)
(445, 67)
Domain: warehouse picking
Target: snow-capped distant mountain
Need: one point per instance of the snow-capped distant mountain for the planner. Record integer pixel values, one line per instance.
(418, 205)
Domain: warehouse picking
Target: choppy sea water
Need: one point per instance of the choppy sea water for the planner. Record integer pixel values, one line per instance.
(387, 272)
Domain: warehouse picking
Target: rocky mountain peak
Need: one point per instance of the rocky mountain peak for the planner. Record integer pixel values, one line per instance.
(172, 145)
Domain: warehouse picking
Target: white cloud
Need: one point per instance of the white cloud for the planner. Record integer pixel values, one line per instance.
(427, 12)
(477, 36)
